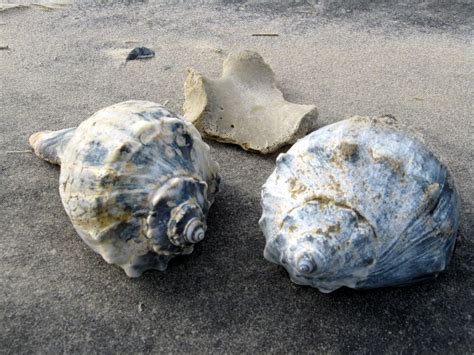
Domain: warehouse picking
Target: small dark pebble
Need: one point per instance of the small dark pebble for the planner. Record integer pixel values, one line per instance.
(140, 53)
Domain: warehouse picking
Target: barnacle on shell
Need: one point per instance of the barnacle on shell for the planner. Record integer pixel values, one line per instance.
(361, 204)
(136, 181)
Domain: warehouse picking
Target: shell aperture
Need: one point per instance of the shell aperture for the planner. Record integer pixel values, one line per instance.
(136, 181)
(361, 204)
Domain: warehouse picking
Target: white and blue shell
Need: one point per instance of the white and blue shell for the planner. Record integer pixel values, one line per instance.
(361, 204)
(136, 181)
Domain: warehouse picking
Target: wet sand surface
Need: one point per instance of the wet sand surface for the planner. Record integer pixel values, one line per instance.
(56, 295)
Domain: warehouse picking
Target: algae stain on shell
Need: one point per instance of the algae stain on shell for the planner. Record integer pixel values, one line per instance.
(362, 204)
(128, 173)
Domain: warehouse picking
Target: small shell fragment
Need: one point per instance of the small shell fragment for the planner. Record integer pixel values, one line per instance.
(140, 53)
(245, 107)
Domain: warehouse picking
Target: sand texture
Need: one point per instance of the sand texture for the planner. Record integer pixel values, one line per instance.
(56, 295)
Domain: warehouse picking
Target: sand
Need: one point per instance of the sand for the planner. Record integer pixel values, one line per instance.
(56, 295)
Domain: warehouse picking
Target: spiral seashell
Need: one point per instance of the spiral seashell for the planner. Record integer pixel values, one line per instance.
(136, 181)
(361, 204)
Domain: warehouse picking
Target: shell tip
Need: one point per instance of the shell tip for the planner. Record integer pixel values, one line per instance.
(35, 138)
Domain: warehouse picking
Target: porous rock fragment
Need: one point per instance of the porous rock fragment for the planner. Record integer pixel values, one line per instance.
(245, 107)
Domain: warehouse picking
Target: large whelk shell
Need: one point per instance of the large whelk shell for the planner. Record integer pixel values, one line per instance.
(361, 204)
(136, 181)
(245, 107)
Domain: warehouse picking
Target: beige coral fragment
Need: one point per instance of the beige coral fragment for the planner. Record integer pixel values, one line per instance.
(245, 107)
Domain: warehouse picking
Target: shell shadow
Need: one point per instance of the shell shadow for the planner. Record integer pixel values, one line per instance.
(234, 287)
(226, 287)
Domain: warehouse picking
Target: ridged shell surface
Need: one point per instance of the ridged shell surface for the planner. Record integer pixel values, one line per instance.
(136, 181)
(361, 204)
